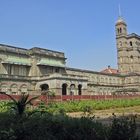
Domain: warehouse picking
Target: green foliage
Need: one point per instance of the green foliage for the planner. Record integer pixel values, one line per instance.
(4, 106)
(7, 135)
(71, 106)
(123, 128)
(50, 122)
(19, 105)
(51, 94)
(54, 127)
(90, 105)
(45, 126)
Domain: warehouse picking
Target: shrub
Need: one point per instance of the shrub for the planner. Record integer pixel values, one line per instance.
(43, 126)
(19, 105)
(5, 106)
(123, 128)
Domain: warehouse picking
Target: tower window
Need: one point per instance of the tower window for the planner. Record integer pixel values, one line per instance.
(131, 58)
(57, 70)
(120, 30)
(120, 43)
(131, 43)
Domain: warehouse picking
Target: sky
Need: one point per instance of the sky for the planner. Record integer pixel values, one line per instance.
(83, 29)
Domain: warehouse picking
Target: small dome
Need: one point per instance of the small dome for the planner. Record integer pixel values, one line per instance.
(120, 20)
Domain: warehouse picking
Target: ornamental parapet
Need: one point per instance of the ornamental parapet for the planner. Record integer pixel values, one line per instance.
(63, 76)
(16, 77)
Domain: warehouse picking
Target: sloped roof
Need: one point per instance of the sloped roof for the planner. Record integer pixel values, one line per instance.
(51, 62)
(110, 70)
(17, 60)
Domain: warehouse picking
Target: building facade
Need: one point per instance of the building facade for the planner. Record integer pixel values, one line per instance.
(37, 70)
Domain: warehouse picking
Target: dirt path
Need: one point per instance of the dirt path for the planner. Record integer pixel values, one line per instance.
(105, 116)
(102, 114)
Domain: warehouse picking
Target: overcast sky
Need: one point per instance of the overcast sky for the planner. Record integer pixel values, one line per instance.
(83, 29)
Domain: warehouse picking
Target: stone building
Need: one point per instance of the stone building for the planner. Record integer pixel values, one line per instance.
(128, 47)
(38, 70)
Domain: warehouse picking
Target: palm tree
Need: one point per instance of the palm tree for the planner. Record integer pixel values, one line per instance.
(21, 103)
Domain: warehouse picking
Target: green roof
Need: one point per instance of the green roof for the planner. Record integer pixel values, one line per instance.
(17, 60)
(51, 62)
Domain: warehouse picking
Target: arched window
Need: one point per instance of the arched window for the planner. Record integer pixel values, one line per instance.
(101, 91)
(110, 80)
(79, 89)
(64, 89)
(120, 30)
(131, 44)
(14, 89)
(72, 89)
(131, 58)
(44, 87)
(113, 80)
(4, 88)
(24, 88)
(120, 43)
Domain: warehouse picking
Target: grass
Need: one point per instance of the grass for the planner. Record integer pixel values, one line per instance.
(91, 105)
(81, 106)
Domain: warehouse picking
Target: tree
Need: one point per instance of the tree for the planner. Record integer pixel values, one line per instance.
(21, 103)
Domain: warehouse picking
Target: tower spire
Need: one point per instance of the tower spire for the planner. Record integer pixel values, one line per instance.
(120, 18)
(120, 14)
